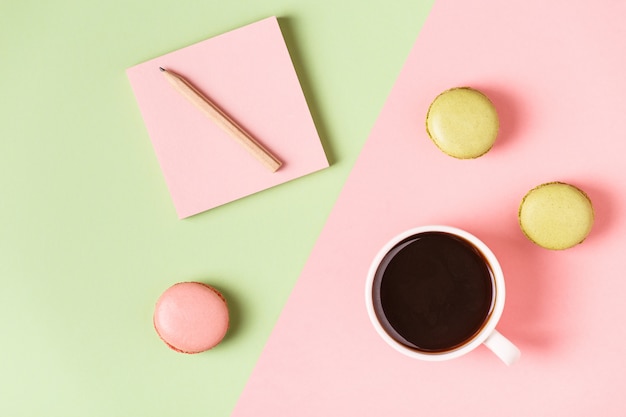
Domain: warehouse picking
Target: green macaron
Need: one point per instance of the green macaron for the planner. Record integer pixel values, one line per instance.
(462, 122)
(556, 215)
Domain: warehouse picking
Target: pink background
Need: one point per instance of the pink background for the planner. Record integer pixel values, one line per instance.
(248, 73)
(556, 72)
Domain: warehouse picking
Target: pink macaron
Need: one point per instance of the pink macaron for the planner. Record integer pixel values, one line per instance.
(191, 317)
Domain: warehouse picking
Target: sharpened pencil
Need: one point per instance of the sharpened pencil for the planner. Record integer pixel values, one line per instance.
(222, 120)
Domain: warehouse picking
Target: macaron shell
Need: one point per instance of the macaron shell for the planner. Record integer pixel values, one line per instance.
(556, 215)
(462, 122)
(191, 317)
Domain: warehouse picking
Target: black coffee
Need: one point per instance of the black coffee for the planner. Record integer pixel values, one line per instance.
(433, 291)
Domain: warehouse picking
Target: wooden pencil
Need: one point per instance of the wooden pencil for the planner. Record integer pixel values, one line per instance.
(222, 120)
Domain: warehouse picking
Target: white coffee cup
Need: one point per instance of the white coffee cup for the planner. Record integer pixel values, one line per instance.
(487, 333)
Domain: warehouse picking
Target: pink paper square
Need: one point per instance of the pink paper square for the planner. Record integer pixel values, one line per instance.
(248, 73)
(555, 71)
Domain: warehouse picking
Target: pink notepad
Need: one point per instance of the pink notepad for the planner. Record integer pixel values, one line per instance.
(556, 73)
(248, 73)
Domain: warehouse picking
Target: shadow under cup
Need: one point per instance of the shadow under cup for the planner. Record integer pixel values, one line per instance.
(433, 292)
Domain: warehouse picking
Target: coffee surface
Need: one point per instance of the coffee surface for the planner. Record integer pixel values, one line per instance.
(435, 292)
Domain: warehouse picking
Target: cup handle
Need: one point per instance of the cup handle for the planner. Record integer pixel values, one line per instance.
(502, 347)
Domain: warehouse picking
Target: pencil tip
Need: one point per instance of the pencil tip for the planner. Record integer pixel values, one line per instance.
(162, 69)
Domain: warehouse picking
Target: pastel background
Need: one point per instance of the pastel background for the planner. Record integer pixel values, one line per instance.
(88, 234)
(89, 237)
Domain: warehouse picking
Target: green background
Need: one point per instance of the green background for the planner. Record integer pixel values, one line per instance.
(88, 234)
